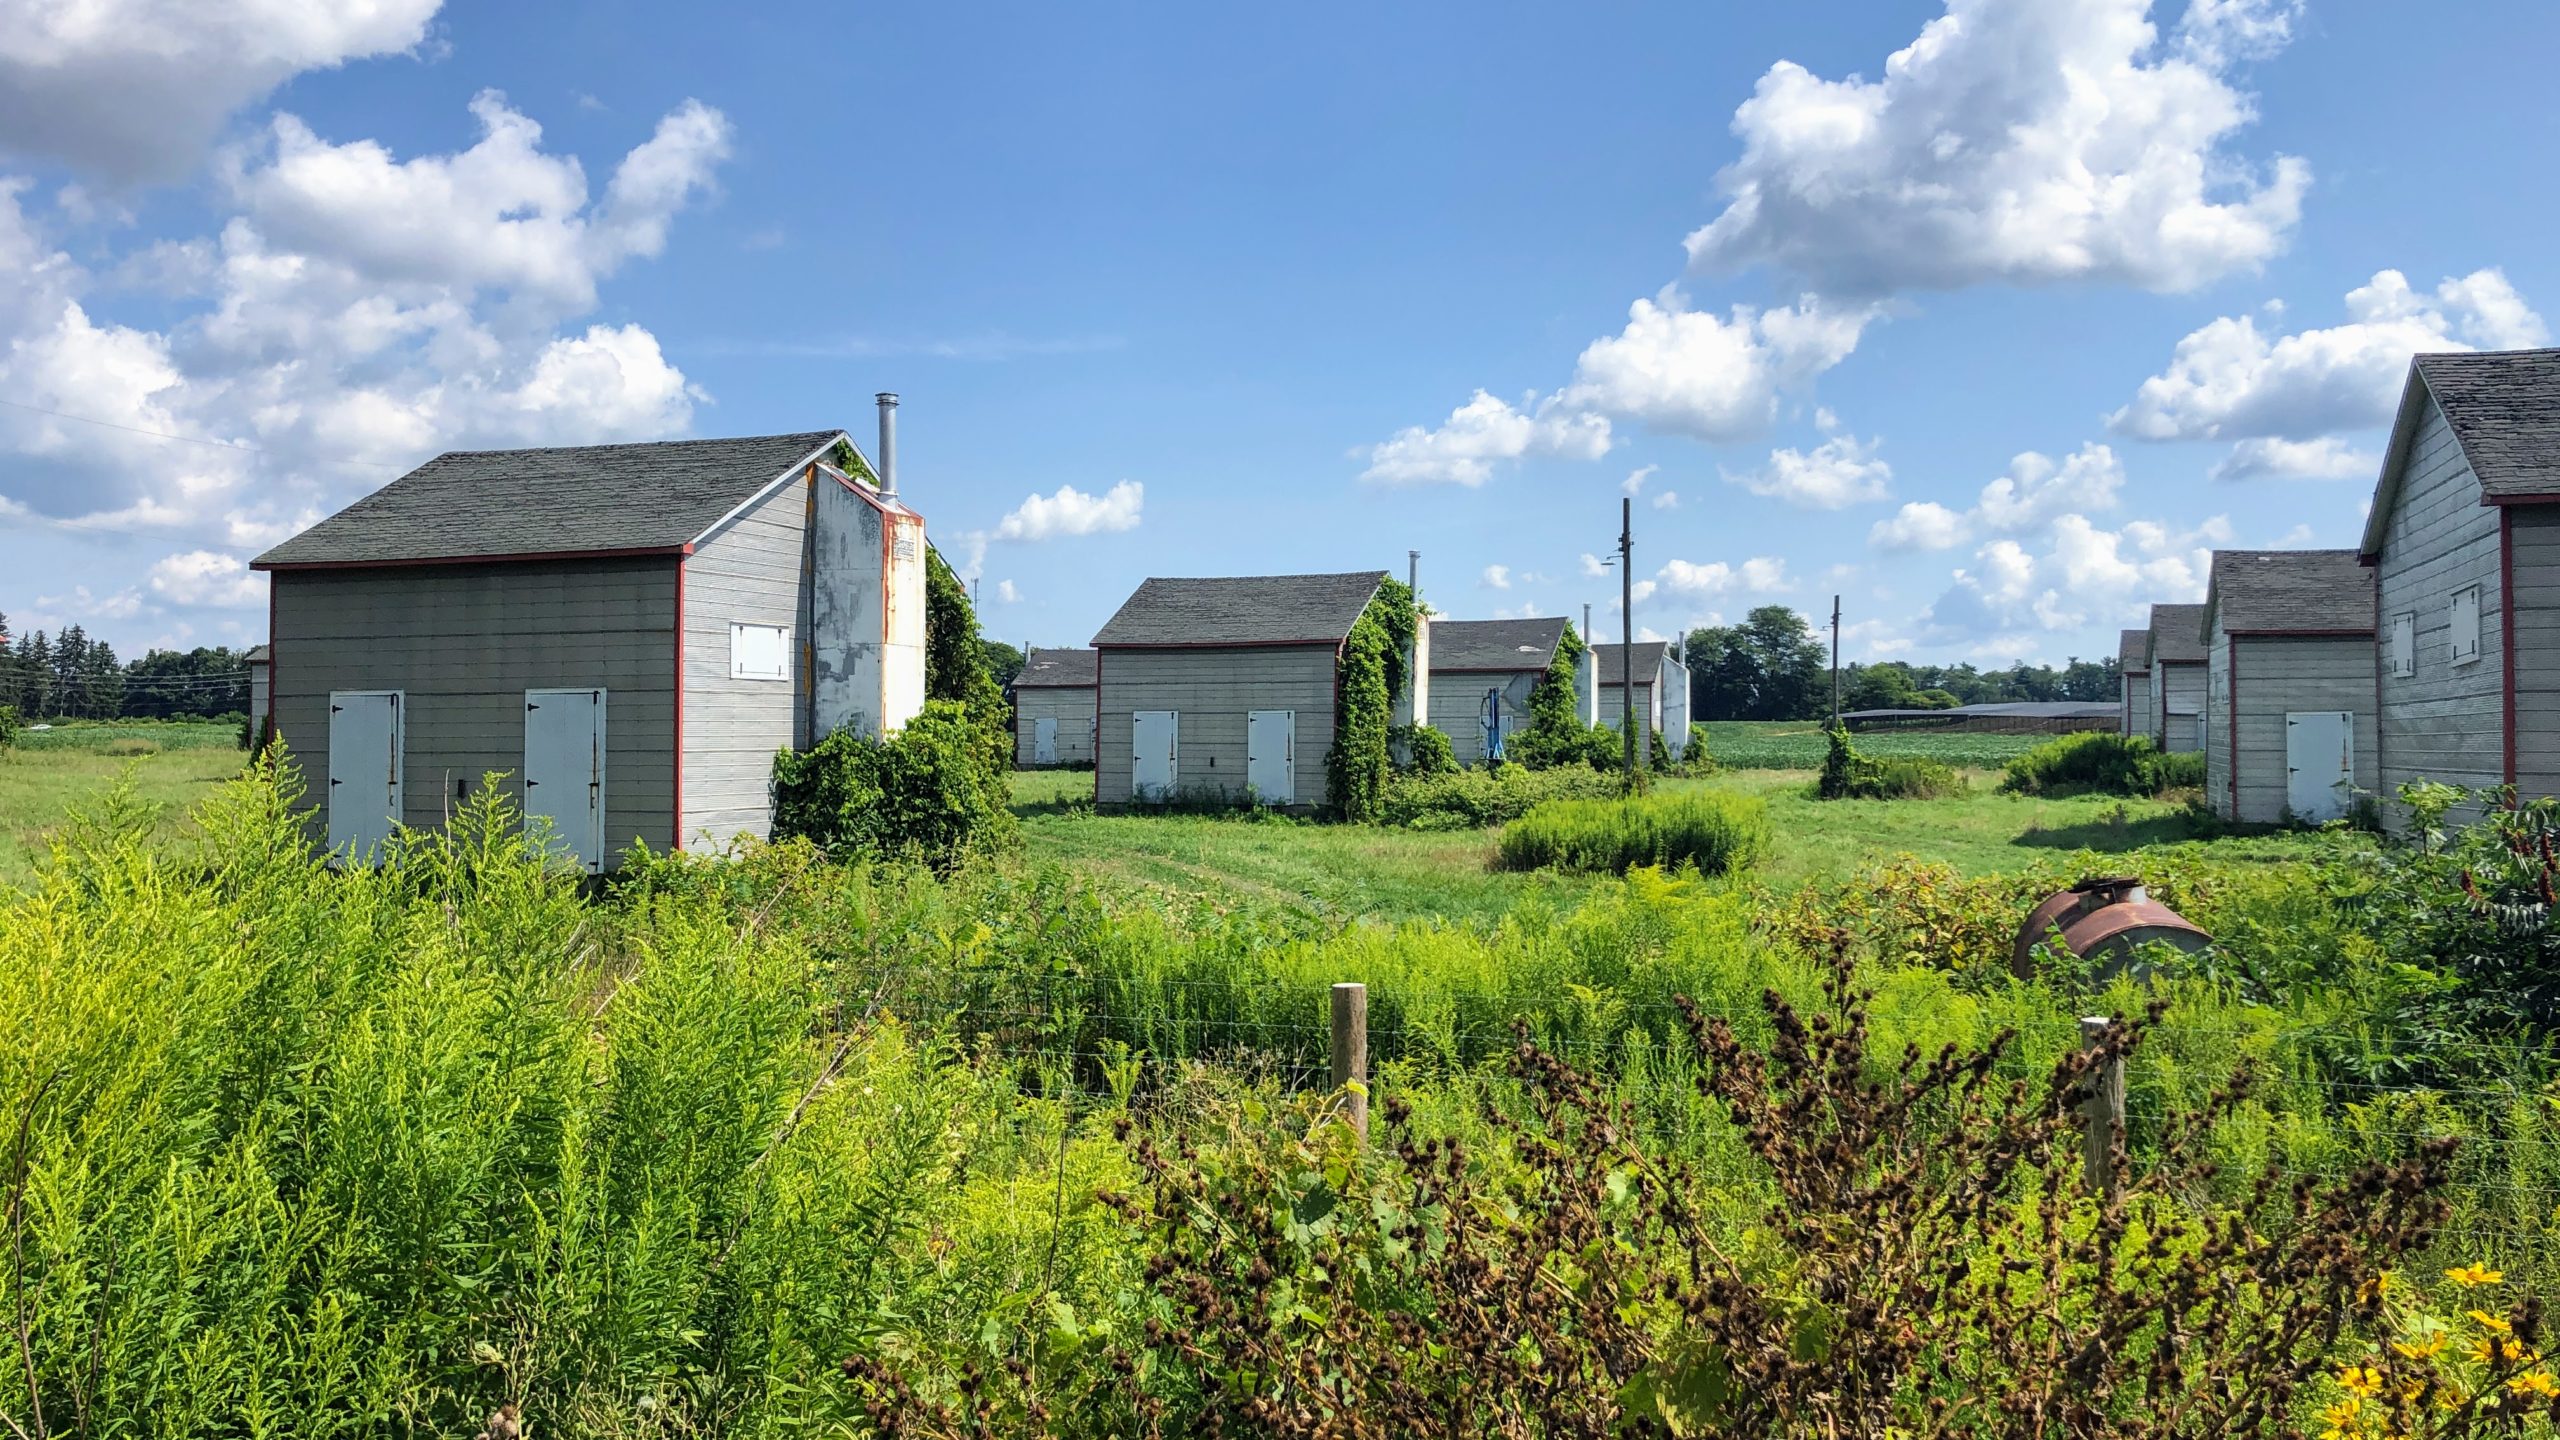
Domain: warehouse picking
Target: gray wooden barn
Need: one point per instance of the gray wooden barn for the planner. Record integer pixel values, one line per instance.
(2133, 670)
(1662, 693)
(1053, 709)
(2289, 701)
(1220, 689)
(2464, 541)
(629, 632)
(1481, 674)
(2177, 677)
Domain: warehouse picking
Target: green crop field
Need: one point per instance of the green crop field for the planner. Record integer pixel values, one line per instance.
(49, 774)
(1800, 745)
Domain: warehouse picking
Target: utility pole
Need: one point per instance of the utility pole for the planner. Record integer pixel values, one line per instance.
(1835, 662)
(1627, 631)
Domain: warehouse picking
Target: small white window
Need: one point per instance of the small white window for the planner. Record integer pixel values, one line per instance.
(759, 652)
(2466, 625)
(2404, 644)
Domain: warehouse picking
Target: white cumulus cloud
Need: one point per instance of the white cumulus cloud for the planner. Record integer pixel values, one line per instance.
(1072, 512)
(2018, 141)
(2327, 458)
(1007, 593)
(2035, 491)
(1479, 434)
(1840, 472)
(137, 89)
(2231, 381)
(1761, 574)
(1495, 577)
(208, 579)
(1710, 377)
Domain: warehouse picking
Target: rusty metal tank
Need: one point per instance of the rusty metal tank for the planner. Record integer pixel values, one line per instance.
(2103, 920)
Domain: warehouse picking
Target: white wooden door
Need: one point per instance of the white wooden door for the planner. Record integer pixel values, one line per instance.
(564, 771)
(1044, 740)
(2320, 763)
(1271, 755)
(364, 770)
(1156, 758)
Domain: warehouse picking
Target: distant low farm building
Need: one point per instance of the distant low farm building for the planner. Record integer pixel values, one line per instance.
(2004, 717)
(1481, 674)
(2177, 677)
(1053, 709)
(629, 633)
(1220, 689)
(1661, 693)
(256, 660)
(2464, 541)
(2133, 668)
(2289, 716)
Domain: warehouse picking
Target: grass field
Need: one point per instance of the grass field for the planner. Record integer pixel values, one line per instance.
(1350, 871)
(50, 773)
(1800, 745)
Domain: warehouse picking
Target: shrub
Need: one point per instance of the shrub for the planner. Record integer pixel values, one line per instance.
(1425, 750)
(8, 726)
(927, 793)
(2102, 762)
(1593, 747)
(1848, 775)
(1474, 799)
(1372, 672)
(1711, 829)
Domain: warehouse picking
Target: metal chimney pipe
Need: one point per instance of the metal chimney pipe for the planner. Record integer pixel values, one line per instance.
(1413, 571)
(888, 443)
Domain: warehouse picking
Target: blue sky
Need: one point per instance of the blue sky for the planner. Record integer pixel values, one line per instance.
(1995, 316)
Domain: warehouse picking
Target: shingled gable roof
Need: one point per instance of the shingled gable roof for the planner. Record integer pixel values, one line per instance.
(1494, 645)
(2177, 634)
(2503, 407)
(1242, 610)
(2133, 652)
(1613, 661)
(2289, 592)
(583, 499)
(1056, 669)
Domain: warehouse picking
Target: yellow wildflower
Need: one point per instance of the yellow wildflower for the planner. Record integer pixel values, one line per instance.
(2515, 1351)
(2534, 1382)
(2475, 1273)
(2485, 1350)
(2494, 1324)
(2426, 1349)
(2363, 1380)
(2375, 1288)
(2451, 1397)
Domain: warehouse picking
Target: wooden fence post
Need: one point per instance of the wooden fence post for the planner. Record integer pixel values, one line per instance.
(1351, 1051)
(2105, 1113)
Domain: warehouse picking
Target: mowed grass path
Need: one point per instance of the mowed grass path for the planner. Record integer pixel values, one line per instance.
(50, 774)
(1355, 871)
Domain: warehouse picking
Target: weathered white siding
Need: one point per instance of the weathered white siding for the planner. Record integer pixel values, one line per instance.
(1214, 689)
(2534, 536)
(2444, 722)
(2137, 704)
(1070, 705)
(257, 694)
(2277, 675)
(1613, 708)
(747, 573)
(1457, 707)
(465, 642)
(2177, 696)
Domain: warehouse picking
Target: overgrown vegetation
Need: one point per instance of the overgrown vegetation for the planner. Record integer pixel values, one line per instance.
(1475, 799)
(1371, 675)
(2102, 762)
(1421, 750)
(1713, 830)
(8, 726)
(1850, 775)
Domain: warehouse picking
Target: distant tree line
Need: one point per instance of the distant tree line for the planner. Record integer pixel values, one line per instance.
(68, 676)
(1774, 666)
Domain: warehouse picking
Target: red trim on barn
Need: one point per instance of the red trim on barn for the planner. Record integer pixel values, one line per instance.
(271, 659)
(2503, 501)
(1097, 729)
(2507, 635)
(2231, 752)
(518, 557)
(676, 806)
(2332, 632)
(1335, 645)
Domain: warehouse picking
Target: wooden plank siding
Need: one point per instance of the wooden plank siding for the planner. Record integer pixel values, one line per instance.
(465, 642)
(1071, 706)
(2177, 692)
(1457, 709)
(2279, 675)
(2136, 704)
(2534, 599)
(748, 572)
(2445, 722)
(1613, 709)
(1214, 688)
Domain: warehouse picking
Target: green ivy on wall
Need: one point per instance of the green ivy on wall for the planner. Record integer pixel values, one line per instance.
(1372, 673)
